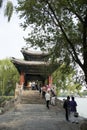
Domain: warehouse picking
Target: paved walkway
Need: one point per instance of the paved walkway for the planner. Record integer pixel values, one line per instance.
(35, 117)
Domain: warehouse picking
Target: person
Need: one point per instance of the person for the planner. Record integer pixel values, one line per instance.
(66, 106)
(36, 86)
(43, 91)
(73, 109)
(53, 97)
(40, 88)
(47, 97)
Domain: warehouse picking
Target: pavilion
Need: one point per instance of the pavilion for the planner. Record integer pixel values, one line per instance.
(34, 67)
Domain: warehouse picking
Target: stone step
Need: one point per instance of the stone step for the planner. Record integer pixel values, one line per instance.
(32, 97)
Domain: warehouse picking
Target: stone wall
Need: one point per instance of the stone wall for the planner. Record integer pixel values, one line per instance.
(7, 105)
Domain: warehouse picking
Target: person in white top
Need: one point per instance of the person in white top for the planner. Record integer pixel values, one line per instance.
(47, 97)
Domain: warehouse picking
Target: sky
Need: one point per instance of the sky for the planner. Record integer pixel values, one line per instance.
(11, 37)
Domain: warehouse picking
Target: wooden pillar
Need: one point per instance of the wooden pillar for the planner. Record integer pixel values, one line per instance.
(22, 78)
(50, 80)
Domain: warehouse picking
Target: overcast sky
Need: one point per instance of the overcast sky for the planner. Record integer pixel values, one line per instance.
(11, 37)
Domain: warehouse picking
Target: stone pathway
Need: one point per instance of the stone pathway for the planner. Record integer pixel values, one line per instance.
(31, 97)
(36, 117)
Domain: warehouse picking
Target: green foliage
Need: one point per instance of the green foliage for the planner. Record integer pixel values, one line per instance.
(59, 27)
(8, 10)
(8, 77)
(84, 93)
(5, 98)
(1, 3)
(64, 79)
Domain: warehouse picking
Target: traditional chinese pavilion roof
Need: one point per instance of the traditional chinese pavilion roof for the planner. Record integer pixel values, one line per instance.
(34, 55)
(35, 64)
(34, 69)
(23, 62)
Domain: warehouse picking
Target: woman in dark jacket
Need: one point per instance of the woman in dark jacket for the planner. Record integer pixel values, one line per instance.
(73, 110)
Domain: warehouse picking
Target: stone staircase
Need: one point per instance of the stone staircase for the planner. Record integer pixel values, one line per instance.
(31, 97)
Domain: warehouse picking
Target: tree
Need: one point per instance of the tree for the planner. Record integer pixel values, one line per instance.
(8, 8)
(8, 77)
(59, 27)
(64, 78)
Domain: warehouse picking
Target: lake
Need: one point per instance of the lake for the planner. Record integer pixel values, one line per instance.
(81, 105)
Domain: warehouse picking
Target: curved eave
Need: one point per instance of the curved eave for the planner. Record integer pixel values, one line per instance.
(31, 67)
(23, 62)
(36, 53)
